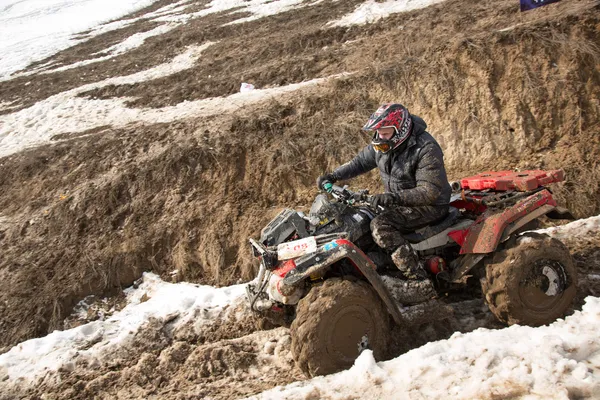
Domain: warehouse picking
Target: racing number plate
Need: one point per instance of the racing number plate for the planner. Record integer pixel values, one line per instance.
(297, 248)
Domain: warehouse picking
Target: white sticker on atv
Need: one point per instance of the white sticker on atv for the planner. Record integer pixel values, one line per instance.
(297, 248)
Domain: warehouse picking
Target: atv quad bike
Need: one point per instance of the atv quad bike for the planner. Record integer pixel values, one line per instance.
(323, 274)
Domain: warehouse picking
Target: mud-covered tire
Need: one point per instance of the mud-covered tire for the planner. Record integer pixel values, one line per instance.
(330, 323)
(532, 281)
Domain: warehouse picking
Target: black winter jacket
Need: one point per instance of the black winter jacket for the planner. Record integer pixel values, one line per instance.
(416, 173)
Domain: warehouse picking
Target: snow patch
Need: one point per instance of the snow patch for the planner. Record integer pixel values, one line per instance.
(258, 9)
(174, 8)
(579, 228)
(264, 9)
(66, 112)
(153, 298)
(132, 42)
(33, 30)
(372, 11)
(554, 361)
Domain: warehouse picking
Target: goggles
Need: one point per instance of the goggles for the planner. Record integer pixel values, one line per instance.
(383, 145)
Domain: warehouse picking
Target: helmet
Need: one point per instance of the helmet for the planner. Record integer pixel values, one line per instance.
(389, 115)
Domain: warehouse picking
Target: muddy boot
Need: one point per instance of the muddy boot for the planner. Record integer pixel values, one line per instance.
(407, 292)
(407, 262)
(412, 286)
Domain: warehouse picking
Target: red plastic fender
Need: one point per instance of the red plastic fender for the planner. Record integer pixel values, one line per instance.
(353, 260)
(485, 234)
(333, 252)
(284, 267)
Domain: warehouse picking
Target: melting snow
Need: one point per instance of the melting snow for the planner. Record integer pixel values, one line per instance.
(152, 299)
(372, 11)
(579, 228)
(66, 112)
(132, 42)
(262, 9)
(559, 361)
(32, 30)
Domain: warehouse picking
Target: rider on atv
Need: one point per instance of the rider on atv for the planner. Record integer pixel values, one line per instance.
(417, 192)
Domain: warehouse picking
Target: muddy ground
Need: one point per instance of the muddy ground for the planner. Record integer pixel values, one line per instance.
(90, 212)
(230, 357)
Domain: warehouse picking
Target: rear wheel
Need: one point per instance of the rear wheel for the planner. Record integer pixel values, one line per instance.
(533, 281)
(334, 322)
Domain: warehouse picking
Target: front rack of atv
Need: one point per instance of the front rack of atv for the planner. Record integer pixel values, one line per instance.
(259, 250)
(268, 262)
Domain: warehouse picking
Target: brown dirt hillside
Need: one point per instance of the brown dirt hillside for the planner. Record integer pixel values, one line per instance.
(91, 212)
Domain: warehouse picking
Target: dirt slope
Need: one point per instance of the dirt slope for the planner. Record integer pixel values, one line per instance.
(91, 212)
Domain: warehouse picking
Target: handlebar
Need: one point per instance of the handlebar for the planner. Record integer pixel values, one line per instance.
(345, 195)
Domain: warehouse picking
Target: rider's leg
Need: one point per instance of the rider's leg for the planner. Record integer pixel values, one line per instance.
(387, 231)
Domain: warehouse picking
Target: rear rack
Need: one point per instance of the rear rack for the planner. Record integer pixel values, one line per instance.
(520, 181)
(496, 199)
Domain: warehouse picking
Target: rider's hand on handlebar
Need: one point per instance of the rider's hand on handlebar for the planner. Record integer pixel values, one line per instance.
(383, 199)
(326, 179)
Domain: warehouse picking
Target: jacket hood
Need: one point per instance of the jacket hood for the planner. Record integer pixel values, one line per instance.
(419, 126)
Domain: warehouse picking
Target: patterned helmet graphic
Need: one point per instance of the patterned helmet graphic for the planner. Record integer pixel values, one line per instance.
(390, 115)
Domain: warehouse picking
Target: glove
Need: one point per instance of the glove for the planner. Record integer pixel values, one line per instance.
(325, 178)
(383, 199)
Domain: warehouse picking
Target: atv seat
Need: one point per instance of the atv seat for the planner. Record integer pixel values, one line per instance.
(428, 231)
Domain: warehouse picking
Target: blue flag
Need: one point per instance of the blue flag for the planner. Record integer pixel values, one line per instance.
(531, 4)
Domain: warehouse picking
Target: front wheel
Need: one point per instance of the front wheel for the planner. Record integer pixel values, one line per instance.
(533, 281)
(334, 322)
